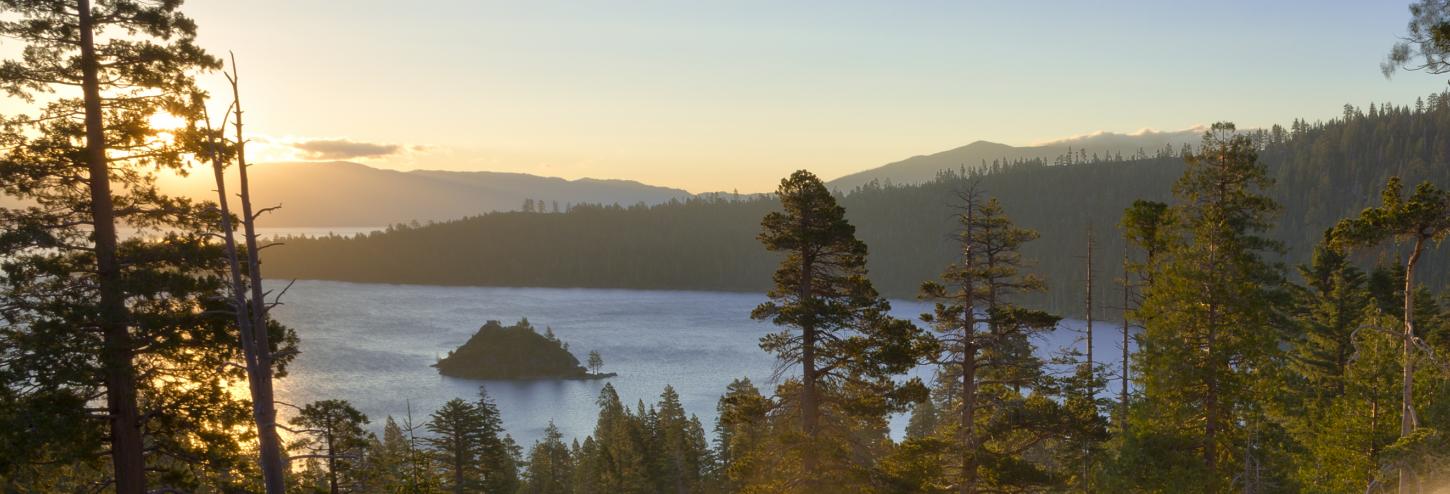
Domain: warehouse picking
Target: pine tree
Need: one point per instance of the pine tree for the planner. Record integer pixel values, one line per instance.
(468, 446)
(499, 454)
(86, 163)
(741, 432)
(1209, 316)
(595, 361)
(613, 459)
(1328, 310)
(989, 377)
(1419, 219)
(839, 333)
(684, 456)
(1427, 44)
(387, 460)
(332, 430)
(550, 466)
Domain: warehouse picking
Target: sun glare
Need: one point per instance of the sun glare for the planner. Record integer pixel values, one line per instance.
(163, 121)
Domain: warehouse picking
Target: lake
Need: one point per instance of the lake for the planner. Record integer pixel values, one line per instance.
(372, 344)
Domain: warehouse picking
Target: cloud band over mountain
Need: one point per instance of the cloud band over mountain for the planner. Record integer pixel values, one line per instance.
(343, 149)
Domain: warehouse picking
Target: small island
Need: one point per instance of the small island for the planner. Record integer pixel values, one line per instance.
(516, 352)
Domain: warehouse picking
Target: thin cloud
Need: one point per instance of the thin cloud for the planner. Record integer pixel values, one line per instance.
(343, 149)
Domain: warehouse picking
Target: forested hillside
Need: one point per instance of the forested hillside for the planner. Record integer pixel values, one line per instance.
(924, 168)
(1323, 171)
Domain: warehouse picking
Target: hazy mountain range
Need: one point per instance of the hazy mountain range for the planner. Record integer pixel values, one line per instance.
(922, 168)
(340, 193)
(346, 194)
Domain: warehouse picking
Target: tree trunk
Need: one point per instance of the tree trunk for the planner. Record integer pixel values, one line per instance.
(1088, 309)
(969, 412)
(1210, 398)
(263, 407)
(1407, 399)
(244, 321)
(1127, 301)
(331, 459)
(809, 404)
(116, 353)
(969, 357)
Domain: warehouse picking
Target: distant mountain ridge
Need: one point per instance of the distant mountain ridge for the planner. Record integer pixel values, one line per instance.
(924, 168)
(342, 193)
(348, 194)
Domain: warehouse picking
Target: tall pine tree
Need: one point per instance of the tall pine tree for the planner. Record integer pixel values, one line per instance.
(1210, 321)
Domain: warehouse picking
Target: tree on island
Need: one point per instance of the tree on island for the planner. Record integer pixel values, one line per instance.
(595, 361)
(514, 352)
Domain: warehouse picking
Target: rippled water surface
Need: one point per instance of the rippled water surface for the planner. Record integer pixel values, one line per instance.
(372, 345)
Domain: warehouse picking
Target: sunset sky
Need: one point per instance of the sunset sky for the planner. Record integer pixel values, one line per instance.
(733, 95)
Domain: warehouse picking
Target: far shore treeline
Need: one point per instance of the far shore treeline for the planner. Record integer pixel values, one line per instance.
(1323, 171)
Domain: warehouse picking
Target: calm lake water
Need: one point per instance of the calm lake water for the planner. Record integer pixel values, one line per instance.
(372, 344)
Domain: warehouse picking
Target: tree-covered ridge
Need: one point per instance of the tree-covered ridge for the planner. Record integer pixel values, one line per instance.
(1323, 171)
(512, 352)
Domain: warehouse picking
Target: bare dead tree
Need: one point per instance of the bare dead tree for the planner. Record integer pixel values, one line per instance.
(272, 467)
(1088, 301)
(248, 299)
(1127, 307)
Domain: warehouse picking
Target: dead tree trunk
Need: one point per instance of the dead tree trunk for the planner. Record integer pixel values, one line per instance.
(246, 330)
(262, 395)
(1407, 399)
(1088, 304)
(1127, 303)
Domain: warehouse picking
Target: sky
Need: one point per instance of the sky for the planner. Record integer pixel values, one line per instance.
(733, 95)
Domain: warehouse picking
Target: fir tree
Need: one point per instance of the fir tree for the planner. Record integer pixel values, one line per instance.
(466, 439)
(838, 333)
(332, 430)
(1209, 316)
(550, 466)
(613, 458)
(1420, 219)
(741, 431)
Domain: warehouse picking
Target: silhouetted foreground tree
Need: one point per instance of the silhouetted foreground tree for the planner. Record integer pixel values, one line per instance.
(134, 323)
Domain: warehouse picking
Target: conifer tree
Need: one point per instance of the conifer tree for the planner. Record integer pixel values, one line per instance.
(741, 431)
(467, 442)
(387, 459)
(332, 430)
(684, 455)
(550, 466)
(613, 458)
(595, 361)
(839, 333)
(1340, 378)
(1426, 45)
(1209, 315)
(1420, 219)
(85, 162)
(989, 377)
